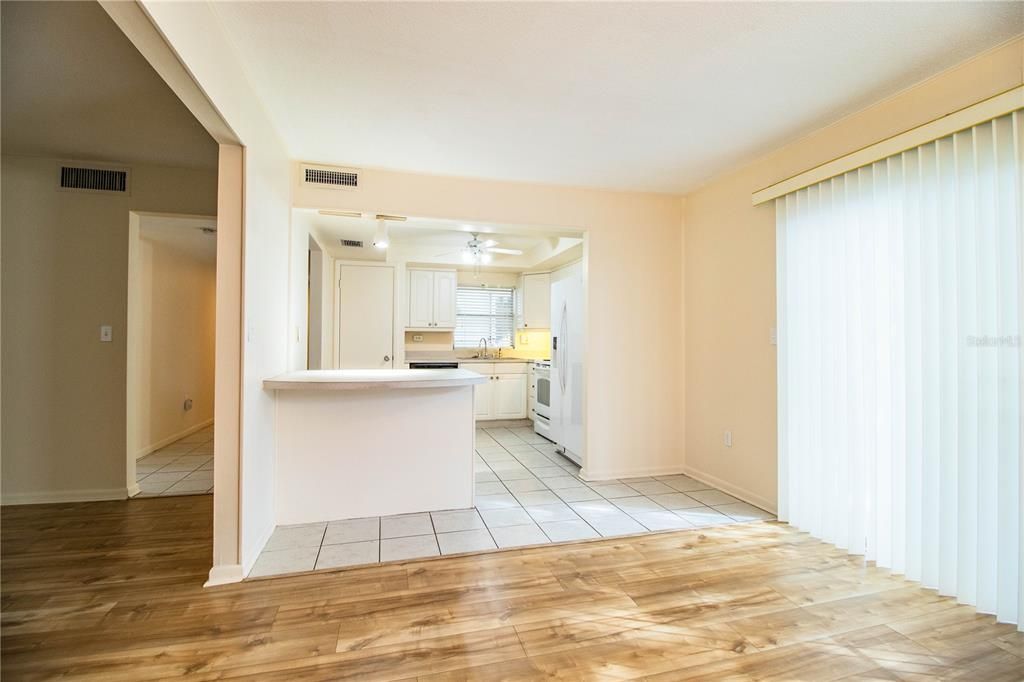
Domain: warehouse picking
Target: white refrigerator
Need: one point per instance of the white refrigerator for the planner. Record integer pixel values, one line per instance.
(567, 346)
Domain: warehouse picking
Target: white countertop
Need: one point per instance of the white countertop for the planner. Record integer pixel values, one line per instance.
(355, 379)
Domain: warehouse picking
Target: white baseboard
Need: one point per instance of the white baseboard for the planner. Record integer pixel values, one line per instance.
(249, 562)
(224, 575)
(672, 470)
(734, 490)
(52, 496)
(153, 447)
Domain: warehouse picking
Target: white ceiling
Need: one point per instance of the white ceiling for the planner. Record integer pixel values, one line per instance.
(647, 96)
(74, 87)
(441, 242)
(188, 234)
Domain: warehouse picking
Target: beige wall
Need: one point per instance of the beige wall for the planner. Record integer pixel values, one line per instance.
(730, 275)
(633, 272)
(65, 270)
(177, 302)
(242, 525)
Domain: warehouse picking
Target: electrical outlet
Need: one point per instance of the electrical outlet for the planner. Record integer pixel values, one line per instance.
(728, 439)
(524, 339)
(773, 336)
(188, 404)
(417, 338)
(106, 333)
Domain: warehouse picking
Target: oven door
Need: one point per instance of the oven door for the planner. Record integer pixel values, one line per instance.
(542, 405)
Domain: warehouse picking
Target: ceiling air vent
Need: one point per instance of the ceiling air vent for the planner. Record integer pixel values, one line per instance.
(354, 243)
(90, 177)
(330, 177)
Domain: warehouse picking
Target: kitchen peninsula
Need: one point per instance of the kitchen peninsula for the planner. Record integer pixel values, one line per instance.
(355, 443)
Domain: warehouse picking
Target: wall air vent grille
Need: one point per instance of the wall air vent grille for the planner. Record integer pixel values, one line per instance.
(81, 178)
(327, 177)
(354, 243)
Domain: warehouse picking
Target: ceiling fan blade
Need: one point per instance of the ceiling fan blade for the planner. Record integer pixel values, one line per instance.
(489, 243)
(510, 252)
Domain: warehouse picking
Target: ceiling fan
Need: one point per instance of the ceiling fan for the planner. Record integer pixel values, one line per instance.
(478, 251)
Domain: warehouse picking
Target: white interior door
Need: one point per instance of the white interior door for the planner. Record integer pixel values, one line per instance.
(365, 317)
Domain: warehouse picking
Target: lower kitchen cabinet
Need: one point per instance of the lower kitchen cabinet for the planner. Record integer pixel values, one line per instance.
(503, 395)
(509, 401)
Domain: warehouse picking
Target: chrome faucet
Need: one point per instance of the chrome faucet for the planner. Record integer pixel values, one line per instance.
(483, 340)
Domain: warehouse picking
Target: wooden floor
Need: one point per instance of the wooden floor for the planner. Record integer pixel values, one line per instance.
(113, 591)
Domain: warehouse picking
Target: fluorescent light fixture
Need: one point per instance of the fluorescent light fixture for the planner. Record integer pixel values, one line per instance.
(380, 237)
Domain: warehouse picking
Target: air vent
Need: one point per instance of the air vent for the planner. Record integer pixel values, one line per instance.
(354, 243)
(92, 178)
(330, 177)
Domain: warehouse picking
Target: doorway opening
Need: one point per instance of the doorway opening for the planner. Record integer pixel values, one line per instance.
(171, 329)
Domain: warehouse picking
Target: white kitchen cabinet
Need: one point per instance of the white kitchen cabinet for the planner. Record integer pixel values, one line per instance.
(421, 298)
(531, 393)
(504, 395)
(483, 399)
(445, 283)
(509, 399)
(431, 297)
(533, 302)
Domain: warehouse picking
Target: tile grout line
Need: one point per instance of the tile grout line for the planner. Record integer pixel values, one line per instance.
(319, 548)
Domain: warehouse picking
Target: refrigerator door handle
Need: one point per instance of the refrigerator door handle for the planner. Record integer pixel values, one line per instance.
(563, 332)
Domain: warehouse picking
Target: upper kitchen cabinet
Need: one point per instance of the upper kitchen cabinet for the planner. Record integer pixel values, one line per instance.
(432, 299)
(533, 304)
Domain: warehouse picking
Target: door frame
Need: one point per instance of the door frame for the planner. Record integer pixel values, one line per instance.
(135, 23)
(337, 264)
(132, 342)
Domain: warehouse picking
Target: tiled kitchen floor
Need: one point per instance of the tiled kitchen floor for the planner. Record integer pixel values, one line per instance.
(185, 467)
(525, 495)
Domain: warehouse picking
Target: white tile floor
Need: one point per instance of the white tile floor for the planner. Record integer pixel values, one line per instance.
(185, 467)
(526, 495)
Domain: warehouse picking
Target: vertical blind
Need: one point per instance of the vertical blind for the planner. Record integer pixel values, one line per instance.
(484, 313)
(899, 304)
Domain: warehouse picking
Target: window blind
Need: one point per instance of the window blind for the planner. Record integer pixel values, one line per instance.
(899, 302)
(484, 313)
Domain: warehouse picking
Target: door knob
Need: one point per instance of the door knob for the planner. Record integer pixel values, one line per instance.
(387, 358)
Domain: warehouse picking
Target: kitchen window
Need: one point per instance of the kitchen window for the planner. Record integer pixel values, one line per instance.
(484, 313)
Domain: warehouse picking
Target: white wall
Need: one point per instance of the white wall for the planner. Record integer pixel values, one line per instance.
(298, 295)
(65, 273)
(193, 29)
(176, 304)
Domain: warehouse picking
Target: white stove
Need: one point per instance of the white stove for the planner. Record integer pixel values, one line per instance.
(542, 402)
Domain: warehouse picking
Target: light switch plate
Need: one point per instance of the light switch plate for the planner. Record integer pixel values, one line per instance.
(106, 333)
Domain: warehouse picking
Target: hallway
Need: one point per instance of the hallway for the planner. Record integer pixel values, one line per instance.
(185, 467)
